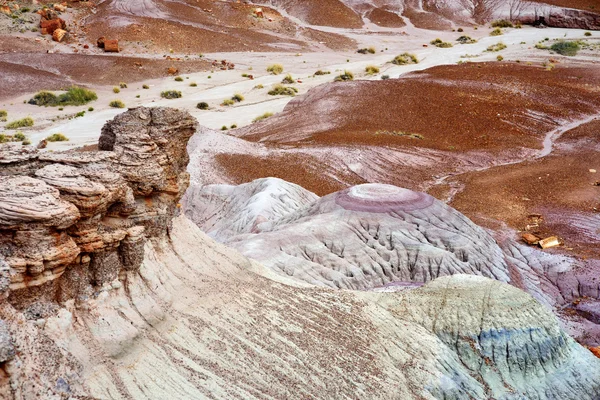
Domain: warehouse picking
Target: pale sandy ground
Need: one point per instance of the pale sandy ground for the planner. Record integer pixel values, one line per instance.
(224, 84)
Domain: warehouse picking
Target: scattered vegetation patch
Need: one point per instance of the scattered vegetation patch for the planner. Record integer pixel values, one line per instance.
(20, 123)
(259, 86)
(440, 43)
(263, 117)
(117, 104)
(145, 87)
(80, 114)
(17, 137)
(566, 48)
(57, 137)
(238, 98)
(496, 47)
(116, 90)
(75, 96)
(496, 32)
(321, 72)
(385, 77)
(500, 58)
(280, 90)
(228, 102)
(541, 46)
(3, 115)
(202, 105)
(224, 128)
(123, 85)
(289, 79)
(170, 94)
(502, 23)
(178, 79)
(193, 84)
(367, 50)
(91, 109)
(466, 40)
(346, 76)
(460, 30)
(588, 34)
(275, 69)
(405, 58)
(400, 133)
(371, 70)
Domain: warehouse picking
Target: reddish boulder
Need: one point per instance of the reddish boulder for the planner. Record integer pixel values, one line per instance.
(111, 45)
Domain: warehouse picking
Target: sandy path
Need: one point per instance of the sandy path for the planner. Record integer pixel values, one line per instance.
(223, 84)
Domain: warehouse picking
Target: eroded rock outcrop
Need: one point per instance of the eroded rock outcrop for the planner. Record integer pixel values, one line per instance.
(92, 211)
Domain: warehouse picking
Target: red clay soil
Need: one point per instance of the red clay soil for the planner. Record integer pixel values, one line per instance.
(589, 5)
(29, 72)
(427, 20)
(385, 18)
(560, 187)
(322, 12)
(489, 107)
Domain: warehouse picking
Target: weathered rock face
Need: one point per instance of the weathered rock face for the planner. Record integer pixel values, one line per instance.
(91, 212)
(574, 19)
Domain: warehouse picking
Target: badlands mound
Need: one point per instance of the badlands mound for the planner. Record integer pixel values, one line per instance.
(128, 299)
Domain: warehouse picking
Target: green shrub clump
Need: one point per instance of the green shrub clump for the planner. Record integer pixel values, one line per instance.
(321, 72)
(20, 123)
(275, 69)
(228, 102)
(588, 34)
(237, 98)
(178, 79)
(170, 94)
(145, 87)
(123, 85)
(202, 105)
(496, 32)
(466, 40)
(57, 137)
(116, 90)
(117, 104)
(385, 77)
(367, 50)
(262, 117)
(346, 76)
(193, 84)
(502, 23)
(496, 47)
(3, 115)
(371, 70)
(75, 96)
(439, 43)
(289, 79)
(280, 90)
(405, 58)
(566, 48)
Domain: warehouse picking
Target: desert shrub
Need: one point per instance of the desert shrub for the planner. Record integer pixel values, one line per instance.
(496, 32)
(228, 102)
(466, 40)
(4, 138)
(588, 34)
(44, 98)
(116, 90)
(371, 70)
(20, 123)
(460, 30)
(259, 86)
(202, 105)
(170, 94)
(3, 115)
(224, 128)
(57, 137)
(91, 109)
(76, 96)
(346, 76)
(496, 47)
(80, 114)
(275, 69)
(137, 96)
(500, 58)
(193, 84)
(145, 87)
(238, 98)
(289, 79)
(26, 142)
(502, 23)
(244, 75)
(385, 77)
(117, 104)
(367, 50)
(178, 79)
(19, 137)
(263, 117)
(122, 85)
(541, 46)
(233, 126)
(439, 43)
(321, 72)
(280, 90)
(566, 48)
